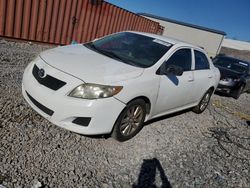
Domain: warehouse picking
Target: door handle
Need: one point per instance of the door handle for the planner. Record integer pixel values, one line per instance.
(190, 79)
(210, 76)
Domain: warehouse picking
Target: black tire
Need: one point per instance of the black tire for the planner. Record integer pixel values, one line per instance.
(127, 127)
(238, 92)
(203, 103)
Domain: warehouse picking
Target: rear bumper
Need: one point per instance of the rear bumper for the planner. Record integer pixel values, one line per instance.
(63, 110)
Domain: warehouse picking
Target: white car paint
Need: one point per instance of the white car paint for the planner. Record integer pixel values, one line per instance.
(76, 64)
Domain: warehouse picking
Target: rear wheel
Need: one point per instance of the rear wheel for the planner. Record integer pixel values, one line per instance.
(130, 121)
(203, 103)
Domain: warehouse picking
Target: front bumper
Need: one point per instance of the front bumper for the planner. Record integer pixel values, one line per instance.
(102, 112)
(227, 89)
(224, 89)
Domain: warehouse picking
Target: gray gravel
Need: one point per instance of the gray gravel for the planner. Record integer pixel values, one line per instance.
(182, 150)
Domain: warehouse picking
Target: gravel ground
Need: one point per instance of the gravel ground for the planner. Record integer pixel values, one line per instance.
(182, 150)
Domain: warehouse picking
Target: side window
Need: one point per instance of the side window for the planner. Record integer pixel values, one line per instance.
(181, 58)
(201, 61)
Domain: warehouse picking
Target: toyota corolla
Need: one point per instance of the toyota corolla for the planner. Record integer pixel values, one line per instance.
(114, 84)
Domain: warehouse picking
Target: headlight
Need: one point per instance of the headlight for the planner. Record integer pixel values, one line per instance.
(94, 91)
(227, 79)
(231, 79)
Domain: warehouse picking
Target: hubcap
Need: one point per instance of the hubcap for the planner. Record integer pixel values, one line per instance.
(131, 120)
(204, 101)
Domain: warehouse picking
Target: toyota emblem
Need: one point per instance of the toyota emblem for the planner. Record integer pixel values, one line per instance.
(41, 73)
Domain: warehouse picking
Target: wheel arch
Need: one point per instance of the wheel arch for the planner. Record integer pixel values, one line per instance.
(114, 133)
(146, 100)
(212, 88)
(243, 83)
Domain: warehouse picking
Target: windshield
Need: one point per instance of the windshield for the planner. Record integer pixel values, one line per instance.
(232, 64)
(134, 49)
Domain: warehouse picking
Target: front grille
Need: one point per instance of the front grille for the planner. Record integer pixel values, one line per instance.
(40, 106)
(48, 80)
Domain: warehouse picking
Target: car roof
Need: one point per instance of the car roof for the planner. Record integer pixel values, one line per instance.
(167, 39)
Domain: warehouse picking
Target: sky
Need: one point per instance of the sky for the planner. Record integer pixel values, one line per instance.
(230, 16)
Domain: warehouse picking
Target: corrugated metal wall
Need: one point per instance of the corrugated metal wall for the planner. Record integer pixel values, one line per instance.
(62, 21)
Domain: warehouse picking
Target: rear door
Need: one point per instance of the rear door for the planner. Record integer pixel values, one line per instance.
(202, 74)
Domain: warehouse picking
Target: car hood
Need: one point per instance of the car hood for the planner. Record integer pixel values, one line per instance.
(225, 73)
(88, 65)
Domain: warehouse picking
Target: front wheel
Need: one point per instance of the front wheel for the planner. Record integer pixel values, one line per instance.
(130, 121)
(238, 92)
(203, 103)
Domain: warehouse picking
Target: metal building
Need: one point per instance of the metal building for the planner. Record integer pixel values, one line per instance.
(209, 39)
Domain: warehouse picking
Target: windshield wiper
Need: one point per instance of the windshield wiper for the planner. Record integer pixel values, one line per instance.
(114, 55)
(110, 54)
(105, 52)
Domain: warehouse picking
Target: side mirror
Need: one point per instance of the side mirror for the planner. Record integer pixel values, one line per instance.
(174, 69)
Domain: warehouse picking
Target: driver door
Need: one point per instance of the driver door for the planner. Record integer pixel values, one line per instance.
(175, 92)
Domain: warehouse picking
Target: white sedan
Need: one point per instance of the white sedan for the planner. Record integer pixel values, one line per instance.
(116, 83)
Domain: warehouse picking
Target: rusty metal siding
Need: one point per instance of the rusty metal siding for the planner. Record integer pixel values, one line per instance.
(2, 16)
(47, 22)
(10, 18)
(61, 21)
(71, 22)
(18, 15)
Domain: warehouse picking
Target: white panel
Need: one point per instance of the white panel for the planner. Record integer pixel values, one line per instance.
(209, 41)
(236, 44)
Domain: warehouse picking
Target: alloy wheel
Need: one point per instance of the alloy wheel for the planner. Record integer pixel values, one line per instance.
(205, 101)
(131, 120)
